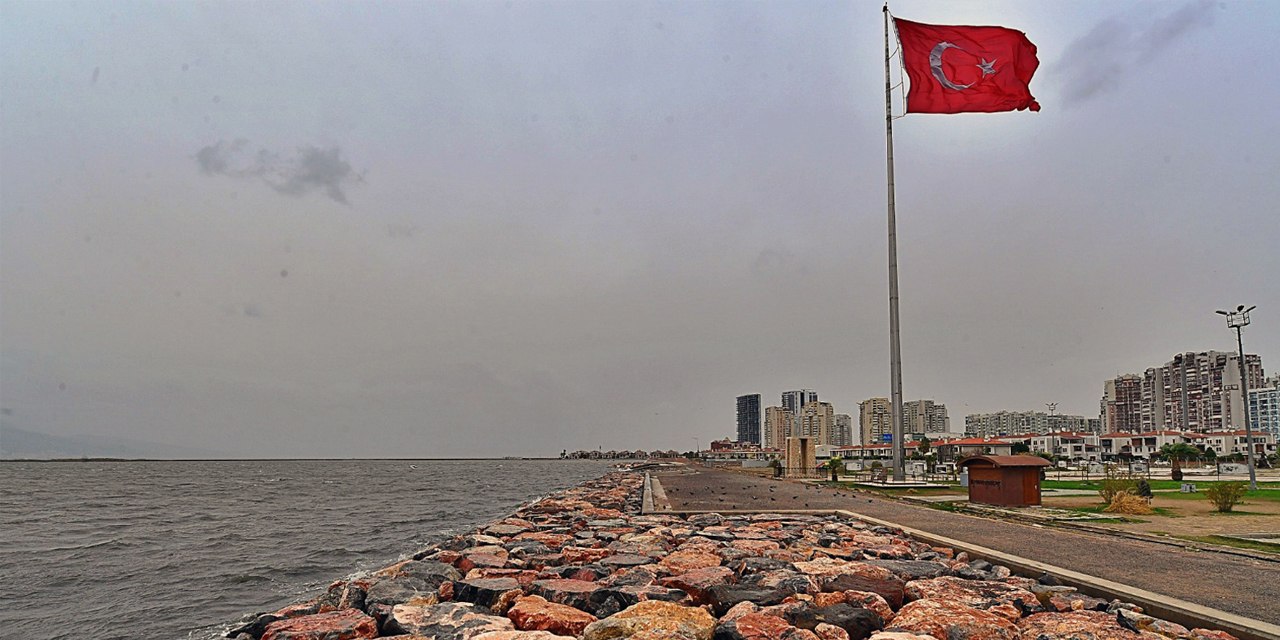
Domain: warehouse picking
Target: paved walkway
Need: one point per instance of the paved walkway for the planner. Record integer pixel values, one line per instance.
(1239, 585)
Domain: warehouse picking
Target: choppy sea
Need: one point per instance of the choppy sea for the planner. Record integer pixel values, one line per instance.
(182, 549)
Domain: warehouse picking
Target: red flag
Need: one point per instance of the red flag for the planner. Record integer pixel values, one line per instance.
(954, 69)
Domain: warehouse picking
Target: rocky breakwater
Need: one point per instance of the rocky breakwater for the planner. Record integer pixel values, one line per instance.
(585, 564)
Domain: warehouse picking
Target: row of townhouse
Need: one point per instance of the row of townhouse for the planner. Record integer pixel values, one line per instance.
(1078, 446)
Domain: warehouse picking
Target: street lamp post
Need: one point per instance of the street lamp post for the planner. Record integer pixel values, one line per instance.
(1237, 320)
(697, 448)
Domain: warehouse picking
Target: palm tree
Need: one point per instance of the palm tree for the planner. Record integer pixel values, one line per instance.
(1176, 453)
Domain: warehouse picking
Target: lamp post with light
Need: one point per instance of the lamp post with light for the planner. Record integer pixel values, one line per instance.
(1237, 320)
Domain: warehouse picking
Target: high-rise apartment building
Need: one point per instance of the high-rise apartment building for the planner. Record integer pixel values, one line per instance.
(794, 401)
(749, 418)
(1264, 407)
(1122, 403)
(817, 422)
(1195, 391)
(842, 432)
(924, 417)
(778, 426)
(1018, 423)
(875, 418)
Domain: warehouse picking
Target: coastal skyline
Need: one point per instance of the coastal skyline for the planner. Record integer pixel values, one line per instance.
(428, 229)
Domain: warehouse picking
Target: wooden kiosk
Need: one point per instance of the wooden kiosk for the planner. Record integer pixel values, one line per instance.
(1006, 481)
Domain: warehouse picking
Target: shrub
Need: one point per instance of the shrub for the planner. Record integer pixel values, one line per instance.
(1225, 495)
(1129, 503)
(1117, 482)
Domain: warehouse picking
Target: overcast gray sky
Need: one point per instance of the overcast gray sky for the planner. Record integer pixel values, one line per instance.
(511, 228)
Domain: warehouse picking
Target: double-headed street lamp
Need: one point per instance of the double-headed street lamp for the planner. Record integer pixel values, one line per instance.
(1237, 320)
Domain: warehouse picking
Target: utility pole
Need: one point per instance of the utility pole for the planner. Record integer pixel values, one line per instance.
(1238, 320)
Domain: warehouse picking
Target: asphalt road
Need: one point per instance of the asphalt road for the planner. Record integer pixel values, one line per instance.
(1239, 585)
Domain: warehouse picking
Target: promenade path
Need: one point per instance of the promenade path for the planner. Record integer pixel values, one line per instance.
(1240, 585)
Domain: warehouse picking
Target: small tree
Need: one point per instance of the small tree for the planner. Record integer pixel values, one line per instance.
(1020, 448)
(1225, 495)
(924, 445)
(837, 467)
(1176, 453)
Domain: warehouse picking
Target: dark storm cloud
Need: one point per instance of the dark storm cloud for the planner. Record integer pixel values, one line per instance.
(312, 169)
(315, 168)
(1096, 62)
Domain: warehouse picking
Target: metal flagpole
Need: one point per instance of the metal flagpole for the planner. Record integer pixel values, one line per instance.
(895, 343)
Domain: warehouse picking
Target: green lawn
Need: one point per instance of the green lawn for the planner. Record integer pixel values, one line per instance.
(1201, 485)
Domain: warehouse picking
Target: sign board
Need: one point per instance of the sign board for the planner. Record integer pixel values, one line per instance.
(853, 465)
(886, 437)
(1233, 469)
(1138, 466)
(1097, 468)
(917, 468)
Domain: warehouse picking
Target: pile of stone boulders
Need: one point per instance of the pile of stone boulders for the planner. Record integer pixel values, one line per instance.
(584, 564)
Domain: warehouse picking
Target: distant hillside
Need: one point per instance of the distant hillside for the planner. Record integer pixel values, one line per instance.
(20, 443)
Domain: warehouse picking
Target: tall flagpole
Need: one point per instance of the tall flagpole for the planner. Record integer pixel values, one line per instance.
(895, 343)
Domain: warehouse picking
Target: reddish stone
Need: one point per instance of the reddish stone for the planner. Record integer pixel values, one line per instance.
(1079, 624)
(445, 592)
(758, 626)
(688, 560)
(699, 582)
(1211, 634)
(953, 621)
(298, 610)
(826, 631)
(552, 540)
(981, 594)
(537, 614)
(834, 575)
(504, 635)
(575, 555)
(872, 601)
(741, 609)
(524, 576)
(480, 560)
(448, 620)
(544, 560)
(900, 635)
(348, 624)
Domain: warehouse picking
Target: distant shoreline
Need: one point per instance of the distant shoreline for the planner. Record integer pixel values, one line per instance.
(94, 459)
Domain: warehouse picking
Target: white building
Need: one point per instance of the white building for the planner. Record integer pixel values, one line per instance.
(1264, 408)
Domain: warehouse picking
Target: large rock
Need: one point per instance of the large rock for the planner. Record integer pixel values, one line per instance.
(515, 635)
(725, 597)
(343, 595)
(429, 571)
(681, 561)
(834, 575)
(758, 626)
(396, 590)
(655, 619)
(858, 623)
(1079, 624)
(952, 621)
(913, 569)
(979, 594)
(698, 583)
(578, 594)
(484, 591)
(348, 624)
(447, 621)
(534, 613)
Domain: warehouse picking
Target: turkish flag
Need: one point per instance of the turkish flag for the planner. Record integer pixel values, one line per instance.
(954, 69)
